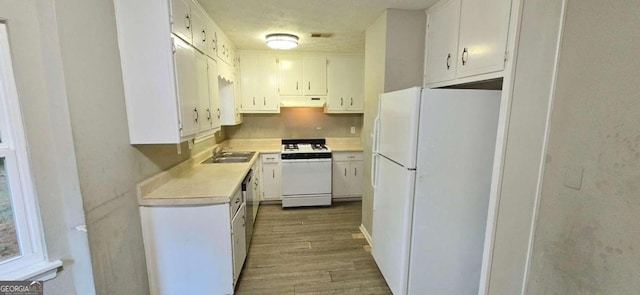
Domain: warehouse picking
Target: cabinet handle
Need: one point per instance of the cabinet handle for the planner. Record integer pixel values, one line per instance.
(448, 60)
(356, 171)
(218, 113)
(197, 115)
(254, 100)
(352, 101)
(309, 85)
(237, 201)
(273, 173)
(345, 171)
(208, 114)
(187, 21)
(465, 56)
(204, 36)
(341, 101)
(296, 85)
(264, 101)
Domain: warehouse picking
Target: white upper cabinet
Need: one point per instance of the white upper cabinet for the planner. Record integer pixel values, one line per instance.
(466, 39)
(303, 75)
(199, 30)
(259, 81)
(291, 75)
(187, 85)
(181, 21)
(314, 73)
(214, 99)
(484, 26)
(203, 110)
(442, 46)
(345, 83)
(171, 89)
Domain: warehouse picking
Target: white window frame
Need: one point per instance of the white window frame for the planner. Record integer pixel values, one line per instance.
(33, 263)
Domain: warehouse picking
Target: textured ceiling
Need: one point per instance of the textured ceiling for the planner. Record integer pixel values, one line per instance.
(246, 22)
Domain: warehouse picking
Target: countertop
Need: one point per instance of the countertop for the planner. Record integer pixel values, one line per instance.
(193, 183)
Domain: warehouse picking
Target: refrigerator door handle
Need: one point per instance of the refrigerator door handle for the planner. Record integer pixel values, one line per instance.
(376, 133)
(374, 164)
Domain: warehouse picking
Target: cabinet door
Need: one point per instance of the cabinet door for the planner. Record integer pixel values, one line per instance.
(356, 178)
(214, 96)
(314, 74)
(484, 26)
(257, 188)
(211, 43)
(250, 82)
(271, 183)
(291, 75)
(345, 84)
(239, 242)
(340, 181)
(187, 86)
(199, 29)
(355, 104)
(268, 70)
(337, 85)
(181, 19)
(442, 41)
(203, 111)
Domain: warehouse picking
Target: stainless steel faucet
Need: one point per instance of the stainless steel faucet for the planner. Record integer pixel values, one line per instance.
(218, 150)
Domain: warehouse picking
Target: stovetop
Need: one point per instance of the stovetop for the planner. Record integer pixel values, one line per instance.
(290, 146)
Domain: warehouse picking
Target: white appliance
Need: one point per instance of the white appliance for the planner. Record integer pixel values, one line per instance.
(306, 173)
(432, 163)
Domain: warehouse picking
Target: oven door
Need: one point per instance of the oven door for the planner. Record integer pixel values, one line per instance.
(306, 177)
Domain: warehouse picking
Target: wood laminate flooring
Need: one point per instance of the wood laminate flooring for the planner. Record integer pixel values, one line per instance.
(310, 251)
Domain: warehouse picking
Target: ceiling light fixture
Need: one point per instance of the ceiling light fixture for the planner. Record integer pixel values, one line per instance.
(282, 41)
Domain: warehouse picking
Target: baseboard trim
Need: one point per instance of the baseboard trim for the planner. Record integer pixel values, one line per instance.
(347, 199)
(366, 234)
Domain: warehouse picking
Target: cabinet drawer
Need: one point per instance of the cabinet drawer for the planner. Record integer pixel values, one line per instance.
(270, 158)
(347, 156)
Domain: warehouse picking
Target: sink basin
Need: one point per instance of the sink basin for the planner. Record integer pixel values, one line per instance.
(231, 157)
(238, 154)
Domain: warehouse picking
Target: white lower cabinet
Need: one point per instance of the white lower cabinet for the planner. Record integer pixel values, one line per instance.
(239, 242)
(271, 177)
(193, 248)
(347, 175)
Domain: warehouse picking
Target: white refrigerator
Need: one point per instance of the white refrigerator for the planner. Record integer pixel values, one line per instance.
(433, 153)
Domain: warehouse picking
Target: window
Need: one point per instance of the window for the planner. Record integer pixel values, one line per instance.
(22, 249)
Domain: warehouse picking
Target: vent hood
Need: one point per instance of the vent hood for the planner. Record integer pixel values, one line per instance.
(302, 101)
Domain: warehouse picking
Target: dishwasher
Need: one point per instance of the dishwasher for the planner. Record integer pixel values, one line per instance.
(250, 201)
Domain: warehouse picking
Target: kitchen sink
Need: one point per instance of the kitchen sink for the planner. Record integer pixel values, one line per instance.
(230, 157)
(238, 154)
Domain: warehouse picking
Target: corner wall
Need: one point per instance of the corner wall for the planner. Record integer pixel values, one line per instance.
(394, 58)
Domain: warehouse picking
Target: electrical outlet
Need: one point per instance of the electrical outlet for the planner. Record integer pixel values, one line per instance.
(353, 130)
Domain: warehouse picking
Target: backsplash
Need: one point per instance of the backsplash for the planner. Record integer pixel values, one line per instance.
(295, 123)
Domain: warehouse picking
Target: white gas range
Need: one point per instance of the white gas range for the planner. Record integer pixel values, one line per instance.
(306, 173)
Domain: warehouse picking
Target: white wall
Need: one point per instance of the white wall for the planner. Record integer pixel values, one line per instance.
(394, 55)
(109, 167)
(374, 64)
(587, 238)
(40, 84)
(532, 82)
